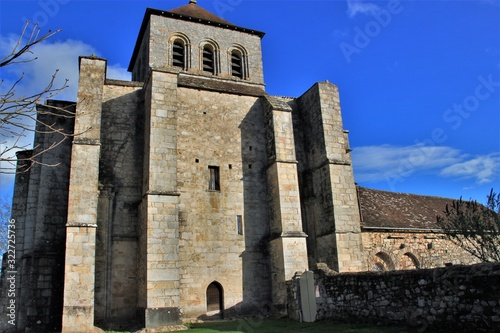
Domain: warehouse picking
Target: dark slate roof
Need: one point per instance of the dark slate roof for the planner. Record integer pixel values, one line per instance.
(383, 209)
(196, 12)
(190, 12)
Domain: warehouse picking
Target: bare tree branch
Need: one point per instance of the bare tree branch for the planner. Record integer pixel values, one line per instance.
(33, 39)
(474, 227)
(22, 114)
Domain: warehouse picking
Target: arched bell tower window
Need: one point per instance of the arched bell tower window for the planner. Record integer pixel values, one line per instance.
(237, 64)
(179, 51)
(208, 59)
(179, 54)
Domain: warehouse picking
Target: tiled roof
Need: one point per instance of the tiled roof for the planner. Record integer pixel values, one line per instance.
(383, 209)
(195, 11)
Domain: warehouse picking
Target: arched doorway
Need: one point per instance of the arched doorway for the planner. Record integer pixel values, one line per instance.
(382, 262)
(409, 261)
(215, 300)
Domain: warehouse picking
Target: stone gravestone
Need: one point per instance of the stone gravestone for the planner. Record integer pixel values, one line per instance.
(307, 297)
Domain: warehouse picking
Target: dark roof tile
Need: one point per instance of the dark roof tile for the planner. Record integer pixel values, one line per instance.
(383, 209)
(195, 11)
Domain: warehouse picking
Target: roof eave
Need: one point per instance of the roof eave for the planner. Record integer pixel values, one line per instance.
(207, 22)
(402, 229)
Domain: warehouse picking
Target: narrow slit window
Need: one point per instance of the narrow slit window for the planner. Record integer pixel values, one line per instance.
(239, 224)
(208, 59)
(178, 54)
(214, 178)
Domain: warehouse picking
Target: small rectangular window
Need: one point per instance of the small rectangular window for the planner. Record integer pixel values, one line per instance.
(239, 224)
(214, 178)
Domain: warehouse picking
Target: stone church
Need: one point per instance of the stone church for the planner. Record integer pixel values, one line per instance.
(189, 192)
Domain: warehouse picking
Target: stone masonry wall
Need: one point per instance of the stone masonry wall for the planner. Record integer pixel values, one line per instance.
(464, 297)
(120, 192)
(225, 131)
(40, 210)
(161, 32)
(44, 306)
(403, 250)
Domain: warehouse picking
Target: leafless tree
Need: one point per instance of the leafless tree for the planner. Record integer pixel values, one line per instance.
(474, 227)
(19, 114)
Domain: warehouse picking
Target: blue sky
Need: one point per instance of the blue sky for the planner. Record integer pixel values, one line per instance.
(419, 81)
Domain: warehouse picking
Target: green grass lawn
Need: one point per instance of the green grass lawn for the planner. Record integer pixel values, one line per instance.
(289, 326)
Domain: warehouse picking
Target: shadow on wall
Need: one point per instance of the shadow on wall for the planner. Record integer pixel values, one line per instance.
(255, 229)
(256, 260)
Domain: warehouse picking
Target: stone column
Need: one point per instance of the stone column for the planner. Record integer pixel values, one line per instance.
(159, 281)
(78, 311)
(288, 241)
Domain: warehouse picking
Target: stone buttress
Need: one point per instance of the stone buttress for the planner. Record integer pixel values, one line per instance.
(287, 240)
(328, 192)
(159, 285)
(78, 310)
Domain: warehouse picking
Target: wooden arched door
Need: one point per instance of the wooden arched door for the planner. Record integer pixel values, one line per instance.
(215, 299)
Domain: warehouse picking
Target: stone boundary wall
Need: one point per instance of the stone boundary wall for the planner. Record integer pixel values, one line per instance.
(465, 297)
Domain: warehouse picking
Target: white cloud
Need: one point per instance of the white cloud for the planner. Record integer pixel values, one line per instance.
(355, 7)
(50, 57)
(60, 56)
(483, 169)
(379, 163)
(117, 72)
(373, 163)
